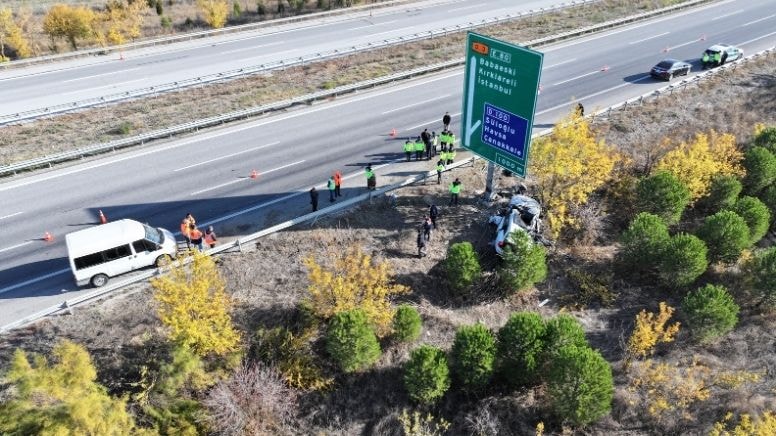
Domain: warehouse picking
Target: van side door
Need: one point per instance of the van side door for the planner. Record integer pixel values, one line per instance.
(145, 253)
(118, 260)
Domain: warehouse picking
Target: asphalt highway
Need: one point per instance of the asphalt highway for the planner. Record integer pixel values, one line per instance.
(207, 174)
(79, 79)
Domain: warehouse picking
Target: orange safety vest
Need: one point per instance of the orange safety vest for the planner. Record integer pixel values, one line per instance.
(338, 178)
(195, 235)
(210, 238)
(185, 228)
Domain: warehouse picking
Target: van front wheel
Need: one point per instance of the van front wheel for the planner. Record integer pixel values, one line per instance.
(163, 260)
(99, 280)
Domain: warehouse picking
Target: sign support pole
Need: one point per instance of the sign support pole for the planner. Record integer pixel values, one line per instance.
(489, 194)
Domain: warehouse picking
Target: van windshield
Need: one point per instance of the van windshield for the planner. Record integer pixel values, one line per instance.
(153, 235)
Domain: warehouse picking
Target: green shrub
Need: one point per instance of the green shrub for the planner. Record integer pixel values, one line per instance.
(589, 287)
(261, 10)
(710, 312)
(561, 331)
(684, 259)
(756, 215)
(520, 347)
(766, 139)
(768, 197)
(462, 265)
(426, 374)
(474, 351)
(159, 8)
(760, 272)
(642, 243)
(236, 9)
(664, 195)
(524, 263)
(406, 323)
(760, 165)
(165, 22)
(292, 355)
(723, 193)
(726, 235)
(580, 385)
(351, 341)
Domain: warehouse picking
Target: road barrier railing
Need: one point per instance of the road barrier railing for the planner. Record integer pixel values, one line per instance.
(293, 62)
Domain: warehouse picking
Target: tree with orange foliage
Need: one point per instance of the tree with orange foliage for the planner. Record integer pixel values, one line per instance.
(215, 12)
(70, 22)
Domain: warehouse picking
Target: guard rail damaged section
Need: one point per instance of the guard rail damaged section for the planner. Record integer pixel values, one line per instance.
(300, 61)
(67, 304)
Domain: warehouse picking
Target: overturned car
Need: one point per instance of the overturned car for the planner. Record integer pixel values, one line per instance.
(521, 215)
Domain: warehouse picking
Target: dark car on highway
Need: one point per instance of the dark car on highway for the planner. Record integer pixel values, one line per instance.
(667, 69)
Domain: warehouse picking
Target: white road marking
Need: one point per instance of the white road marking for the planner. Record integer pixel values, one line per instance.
(647, 39)
(392, 31)
(242, 180)
(227, 156)
(373, 25)
(757, 39)
(466, 7)
(727, 15)
(15, 246)
(100, 75)
(757, 21)
(227, 131)
(559, 64)
(416, 104)
(106, 86)
(11, 215)
(31, 281)
(426, 123)
(595, 94)
(682, 45)
(251, 48)
(577, 77)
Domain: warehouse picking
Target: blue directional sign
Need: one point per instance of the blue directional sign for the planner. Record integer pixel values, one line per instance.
(500, 87)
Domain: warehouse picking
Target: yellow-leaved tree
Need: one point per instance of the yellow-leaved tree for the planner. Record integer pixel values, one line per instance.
(70, 22)
(61, 398)
(763, 425)
(11, 36)
(568, 166)
(194, 306)
(697, 162)
(214, 12)
(354, 282)
(123, 20)
(651, 329)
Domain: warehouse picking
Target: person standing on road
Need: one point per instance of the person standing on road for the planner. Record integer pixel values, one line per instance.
(446, 120)
(337, 183)
(426, 138)
(433, 213)
(440, 167)
(419, 148)
(314, 198)
(210, 237)
(371, 179)
(434, 143)
(331, 187)
(455, 191)
(409, 147)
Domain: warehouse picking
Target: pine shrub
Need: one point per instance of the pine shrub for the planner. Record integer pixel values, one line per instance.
(426, 374)
(756, 215)
(520, 347)
(768, 197)
(664, 195)
(564, 330)
(766, 138)
(683, 260)
(462, 265)
(760, 272)
(524, 263)
(580, 385)
(710, 311)
(760, 166)
(474, 351)
(406, 324)
(723, 193)
(642, 243)
(351, 341)
(726, 235)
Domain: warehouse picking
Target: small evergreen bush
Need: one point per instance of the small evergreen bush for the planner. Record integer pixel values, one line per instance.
(760, 273)
(723, 193)
(473, 355)
(760, 165)
(524, 263)
(580, 385)
(426, 374)
(767, 139)
(710, 311)
(462, 265)
(726, 235)
(642, 243)
(756, 215)
(406, 324)
(664, 195)
(684, 259)
(520, 347)
(351, 341)
(564, 330)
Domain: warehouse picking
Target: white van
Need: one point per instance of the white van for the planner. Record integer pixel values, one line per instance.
(107, 250)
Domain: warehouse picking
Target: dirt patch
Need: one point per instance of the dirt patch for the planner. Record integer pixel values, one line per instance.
(97, 125)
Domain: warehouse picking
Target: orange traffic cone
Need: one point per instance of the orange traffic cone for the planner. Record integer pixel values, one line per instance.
(254, 174)
(666, 50)
(393, 132)
(47, 237)
(103, 220)
(605, 68)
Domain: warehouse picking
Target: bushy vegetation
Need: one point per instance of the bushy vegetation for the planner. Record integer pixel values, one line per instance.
(664, 195)
(406, 323)
(760, 166)
(521, 343)
(710, 311)
(426, 374)
(760, 274)
(524, 263)
(462, 266)
(642, 243)
(580, 385)
(563, 330)
(473, 356)
(768, 197)
(351, 342)
(756, 215)
(682, 260)
(726, 235)
(723, 193)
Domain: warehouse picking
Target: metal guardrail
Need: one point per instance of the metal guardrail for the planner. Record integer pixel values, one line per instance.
(300, 61)
(67, 304)
(13, 168)
(99, 51)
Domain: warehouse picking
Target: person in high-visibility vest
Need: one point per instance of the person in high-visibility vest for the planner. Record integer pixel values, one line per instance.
(409, 147)
(440, 166)
(420, 147)
(455, 191)
(717, 59)
(331, 187)
(210, 237)
(337, 184)
(187, 222)
(434, 143)
(371, 179)
(705, 59)
(196, 236)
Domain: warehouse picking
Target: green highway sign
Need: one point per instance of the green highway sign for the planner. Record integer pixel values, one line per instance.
(499, 99)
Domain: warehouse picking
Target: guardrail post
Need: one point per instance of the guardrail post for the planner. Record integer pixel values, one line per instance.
(239, 245)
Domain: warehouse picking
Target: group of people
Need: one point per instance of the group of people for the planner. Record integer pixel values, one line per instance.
(427, 143)
(428, 224)
(194, 236)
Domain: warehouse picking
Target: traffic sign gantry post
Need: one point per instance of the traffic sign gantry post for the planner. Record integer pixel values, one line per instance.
(501, 83)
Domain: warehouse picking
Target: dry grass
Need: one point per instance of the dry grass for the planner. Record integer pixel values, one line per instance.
(71, 131)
